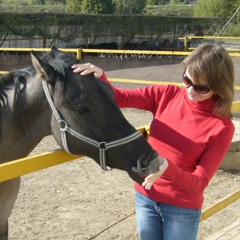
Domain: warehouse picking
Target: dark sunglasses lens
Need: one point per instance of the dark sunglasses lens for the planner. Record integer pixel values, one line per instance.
(186, 80)
(201, 89)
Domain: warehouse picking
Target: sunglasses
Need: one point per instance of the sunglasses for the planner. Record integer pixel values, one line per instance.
(201, 89)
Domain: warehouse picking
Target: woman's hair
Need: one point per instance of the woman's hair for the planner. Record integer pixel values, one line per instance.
(212, 63)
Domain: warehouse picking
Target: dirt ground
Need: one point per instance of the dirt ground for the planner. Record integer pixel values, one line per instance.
(78, 201)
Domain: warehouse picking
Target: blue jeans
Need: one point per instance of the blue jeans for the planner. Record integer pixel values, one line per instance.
(160, 221)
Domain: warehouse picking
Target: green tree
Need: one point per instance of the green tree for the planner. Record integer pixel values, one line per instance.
(97, 6)
(129, 6)
(235, 6)
(39, 2)
(154, 2)
(74, 6)
(213, 8)
(150, 2)
(55, 2)
(175, 2)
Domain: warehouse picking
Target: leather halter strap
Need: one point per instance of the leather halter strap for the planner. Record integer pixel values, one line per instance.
(102, 146)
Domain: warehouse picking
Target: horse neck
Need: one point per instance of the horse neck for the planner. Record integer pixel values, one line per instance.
(22, 135)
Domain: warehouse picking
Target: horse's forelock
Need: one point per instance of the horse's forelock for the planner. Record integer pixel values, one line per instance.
(61, 64)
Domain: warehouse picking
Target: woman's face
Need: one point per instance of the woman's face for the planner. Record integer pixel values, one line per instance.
(194, 95)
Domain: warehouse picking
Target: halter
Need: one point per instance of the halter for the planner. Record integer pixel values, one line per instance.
(102, 146)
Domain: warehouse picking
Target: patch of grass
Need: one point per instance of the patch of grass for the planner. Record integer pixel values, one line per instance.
(182, 10)
(33, 8)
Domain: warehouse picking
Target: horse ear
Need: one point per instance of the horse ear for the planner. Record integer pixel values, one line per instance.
(55, 51)
(44, 70)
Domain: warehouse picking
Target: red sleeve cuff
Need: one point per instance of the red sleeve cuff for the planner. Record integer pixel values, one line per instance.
(170, 171)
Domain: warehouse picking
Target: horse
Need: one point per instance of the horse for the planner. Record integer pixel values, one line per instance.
(81, 113)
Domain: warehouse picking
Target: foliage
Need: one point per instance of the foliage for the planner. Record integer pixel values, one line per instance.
(90, 6)
(175, 2)
(129, 6)
(33, 9)
(155, 2)
(74, 6)
(56, 2)
(236, 5)
(37, 2)
(232, 30)
(97, 7)
(220, 8)
(70, 26)
(171, 10)
(214, 8)
(33, 2)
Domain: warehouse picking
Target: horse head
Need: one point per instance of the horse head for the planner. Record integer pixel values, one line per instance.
(87, 120)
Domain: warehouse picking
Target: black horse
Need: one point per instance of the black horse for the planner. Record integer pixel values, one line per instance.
(80, 112)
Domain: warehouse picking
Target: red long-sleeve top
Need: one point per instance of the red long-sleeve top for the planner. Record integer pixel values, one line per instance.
(188, 134)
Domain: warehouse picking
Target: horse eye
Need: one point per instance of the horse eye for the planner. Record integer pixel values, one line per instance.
(81, 109)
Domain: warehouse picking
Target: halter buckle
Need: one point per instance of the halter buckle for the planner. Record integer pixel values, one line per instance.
(62, 125)
(102, 145)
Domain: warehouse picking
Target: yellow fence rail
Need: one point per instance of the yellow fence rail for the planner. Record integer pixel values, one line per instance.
(236, 107)
(32, 164)
(220, 204)
(80, 51)
(69, 50)
(228, 41)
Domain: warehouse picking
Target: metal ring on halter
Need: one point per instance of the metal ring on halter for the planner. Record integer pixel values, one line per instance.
(62, 125)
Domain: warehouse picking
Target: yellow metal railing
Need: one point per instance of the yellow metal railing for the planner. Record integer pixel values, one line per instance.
(236, 106)
(224, 40)
(177, 52)
(69, 50)
(220, 204)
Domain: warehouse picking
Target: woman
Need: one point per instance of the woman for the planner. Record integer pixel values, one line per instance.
(192, 130)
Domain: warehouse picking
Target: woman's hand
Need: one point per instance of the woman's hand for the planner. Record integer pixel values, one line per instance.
(87, 68)
(150, 179)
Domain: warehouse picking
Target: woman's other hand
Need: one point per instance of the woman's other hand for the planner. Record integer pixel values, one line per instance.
(150, 179)
(87, 68)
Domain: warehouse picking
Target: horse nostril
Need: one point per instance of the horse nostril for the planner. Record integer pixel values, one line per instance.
(139, 164)
(153, 166)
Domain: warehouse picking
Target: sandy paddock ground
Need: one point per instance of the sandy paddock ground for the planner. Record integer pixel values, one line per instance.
(78, 201)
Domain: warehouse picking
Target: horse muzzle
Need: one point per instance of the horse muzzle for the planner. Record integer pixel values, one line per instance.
(153, 167)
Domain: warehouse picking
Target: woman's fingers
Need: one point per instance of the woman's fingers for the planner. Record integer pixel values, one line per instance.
(87, 68)
(150, 179)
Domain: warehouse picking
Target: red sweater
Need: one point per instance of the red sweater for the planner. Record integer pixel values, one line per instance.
(188, 134)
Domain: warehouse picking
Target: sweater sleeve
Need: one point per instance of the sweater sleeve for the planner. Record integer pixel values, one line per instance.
(210, 161)
(142, 98)
(147, 98)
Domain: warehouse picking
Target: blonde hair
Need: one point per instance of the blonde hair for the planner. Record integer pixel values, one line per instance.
(212, 63)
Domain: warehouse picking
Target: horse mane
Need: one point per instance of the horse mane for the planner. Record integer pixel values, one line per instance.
(17, 80)
(14, 79)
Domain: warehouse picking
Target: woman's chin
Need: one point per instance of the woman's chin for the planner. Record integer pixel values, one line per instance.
(192, 97)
